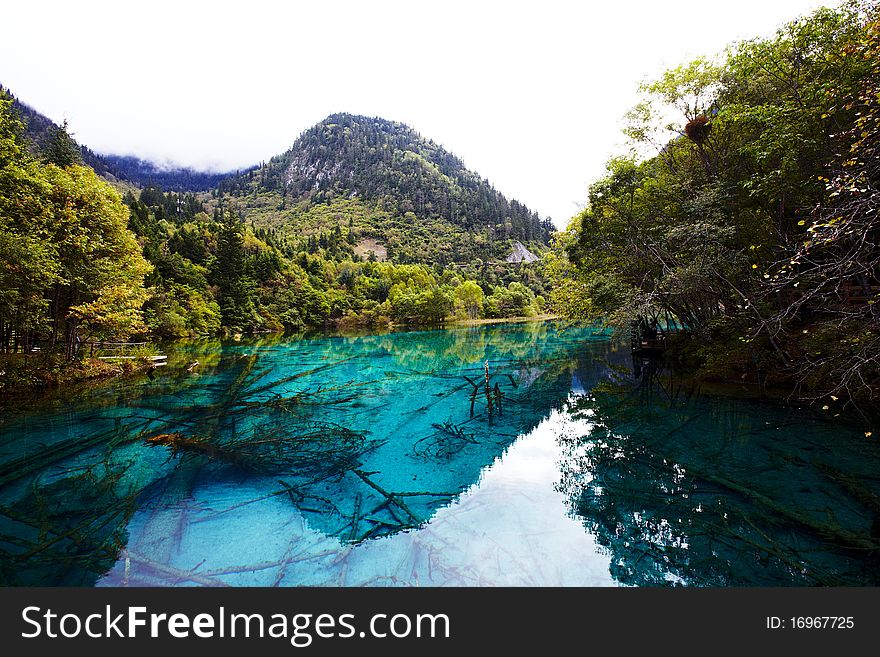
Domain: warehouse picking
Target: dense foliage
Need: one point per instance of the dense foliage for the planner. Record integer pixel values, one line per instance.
(217, 269)
(69, 267)
(754, 225)
(82, 263)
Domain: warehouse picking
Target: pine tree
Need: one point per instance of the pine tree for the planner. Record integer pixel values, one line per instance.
(231, 276)
(60, 148)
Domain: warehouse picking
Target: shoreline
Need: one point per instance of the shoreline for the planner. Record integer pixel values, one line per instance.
(31, 379)
(503, 320)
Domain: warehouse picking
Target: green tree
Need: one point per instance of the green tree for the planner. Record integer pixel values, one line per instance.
(70, 266)
(735, 229)
(60, 148)
(102, 267)
(230, 273)
(832, 270)
(469, 300)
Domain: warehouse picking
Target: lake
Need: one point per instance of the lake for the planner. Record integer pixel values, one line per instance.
(403, 459)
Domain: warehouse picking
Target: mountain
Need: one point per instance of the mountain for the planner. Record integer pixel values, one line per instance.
(173, 179)
(38, 130)
(398, 194)
(386, 180)
(288, 245)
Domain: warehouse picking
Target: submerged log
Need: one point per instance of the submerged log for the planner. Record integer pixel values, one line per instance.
(27, 465)
(390, 497)
(320, 447)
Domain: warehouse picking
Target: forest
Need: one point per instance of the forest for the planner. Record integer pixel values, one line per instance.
(748, 220)
(87, 261)
(741, 221)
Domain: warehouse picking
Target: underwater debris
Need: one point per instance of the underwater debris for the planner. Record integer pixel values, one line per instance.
(493, 395)
(447, 441)
(69, 531)
(31, 463)
(390, 498)
(170, 439)
(319, 396)
(316, 447)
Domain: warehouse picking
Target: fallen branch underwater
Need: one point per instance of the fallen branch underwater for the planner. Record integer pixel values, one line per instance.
(447, 441)
(315, 447)
(27, 465)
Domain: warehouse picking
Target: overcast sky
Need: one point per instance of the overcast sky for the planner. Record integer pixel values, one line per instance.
(528, 94)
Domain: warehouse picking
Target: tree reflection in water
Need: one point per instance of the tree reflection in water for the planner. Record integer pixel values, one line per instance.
(687, 488)
(362, 437)
(347, 445)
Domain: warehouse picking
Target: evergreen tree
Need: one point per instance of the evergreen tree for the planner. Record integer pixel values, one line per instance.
(60, 148)
(231, 276)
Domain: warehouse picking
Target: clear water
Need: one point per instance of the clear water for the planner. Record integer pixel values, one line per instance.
(381, 460)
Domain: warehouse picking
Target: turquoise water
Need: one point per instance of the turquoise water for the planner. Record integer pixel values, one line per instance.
(386, 460)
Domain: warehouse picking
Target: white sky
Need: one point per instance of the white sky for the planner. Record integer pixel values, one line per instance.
(529, 94)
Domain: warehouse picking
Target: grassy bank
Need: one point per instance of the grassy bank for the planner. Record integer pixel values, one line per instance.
(19, 372)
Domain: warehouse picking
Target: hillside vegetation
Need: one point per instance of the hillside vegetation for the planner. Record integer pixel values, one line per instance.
(754, 225)
(383, 180)
(85, 261)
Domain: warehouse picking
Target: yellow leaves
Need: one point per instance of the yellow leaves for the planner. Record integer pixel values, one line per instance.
(754, 266)
(801, 222)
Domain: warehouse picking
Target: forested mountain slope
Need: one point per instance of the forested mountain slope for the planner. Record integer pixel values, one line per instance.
(385, 180)
(291, 245)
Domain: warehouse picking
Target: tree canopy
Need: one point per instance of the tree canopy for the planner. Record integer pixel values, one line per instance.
(752, 224)
(71, 267)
